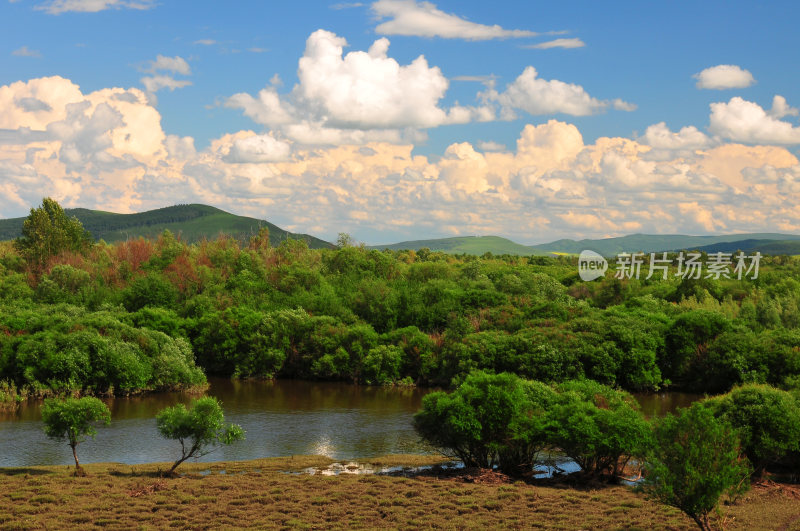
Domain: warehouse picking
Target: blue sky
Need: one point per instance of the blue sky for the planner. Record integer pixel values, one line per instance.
(610, 71)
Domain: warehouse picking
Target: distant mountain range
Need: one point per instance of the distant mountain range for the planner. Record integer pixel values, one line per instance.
(765, 243)
(750, 246)
(195, 222)
(191, 222)
(649, 243)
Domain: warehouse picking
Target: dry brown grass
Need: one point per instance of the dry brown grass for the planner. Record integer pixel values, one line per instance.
(258, 494)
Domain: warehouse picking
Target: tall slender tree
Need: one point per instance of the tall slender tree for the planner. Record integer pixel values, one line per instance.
(48, 231)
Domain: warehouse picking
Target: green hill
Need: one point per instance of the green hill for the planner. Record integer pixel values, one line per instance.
(750, 246)
(649, 243)
(467, 245)
(766, 243)
(191, 222)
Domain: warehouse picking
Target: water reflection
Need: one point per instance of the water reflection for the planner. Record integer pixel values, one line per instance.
(281, 418)
(659, 404)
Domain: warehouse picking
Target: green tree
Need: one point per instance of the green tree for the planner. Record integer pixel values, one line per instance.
(695, 460)
(48, 231)
(529, 429)
(153, 290)
(489, 419)
(600, 428)
(199, 429)
(768, 421)
(73, 419)
(381, 365)
(688, 339)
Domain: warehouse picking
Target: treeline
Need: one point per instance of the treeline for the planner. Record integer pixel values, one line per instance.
(61, 348)
(375, 317)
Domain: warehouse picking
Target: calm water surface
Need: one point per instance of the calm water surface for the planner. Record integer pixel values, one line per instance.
(659, 404)
(281, 418)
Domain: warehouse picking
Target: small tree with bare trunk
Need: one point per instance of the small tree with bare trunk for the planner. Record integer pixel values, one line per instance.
(72, 419)
(199, 429)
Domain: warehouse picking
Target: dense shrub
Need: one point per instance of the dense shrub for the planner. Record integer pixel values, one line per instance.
(152, 290)
(530, 430)
(767, 420)
(68, 349)
(228, 343)
(382, 365)
(488, 420)
(687, 339)
(600, 428)
(506, 421)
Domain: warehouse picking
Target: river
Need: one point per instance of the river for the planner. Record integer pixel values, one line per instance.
(280, 418)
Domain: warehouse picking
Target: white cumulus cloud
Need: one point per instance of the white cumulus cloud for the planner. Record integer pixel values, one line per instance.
(368, 89)
(106, 149)
(359, 96)
(659, 136)
(780, 108)
(535, 95)
(745, 121)
(622, 105)
(267, 109)
(724, 77)
(423, 19)
(491, 145)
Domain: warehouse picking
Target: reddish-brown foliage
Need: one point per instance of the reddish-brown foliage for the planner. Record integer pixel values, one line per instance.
(181, 272)
(134, 252)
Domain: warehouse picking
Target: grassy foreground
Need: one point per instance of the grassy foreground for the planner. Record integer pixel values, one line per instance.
(258, 494)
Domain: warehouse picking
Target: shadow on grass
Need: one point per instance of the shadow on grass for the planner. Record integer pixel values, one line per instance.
(574, 481)
(21, 471)
(138, 474)
(579, 482)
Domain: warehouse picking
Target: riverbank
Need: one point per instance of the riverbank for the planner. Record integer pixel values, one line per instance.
(261, 494)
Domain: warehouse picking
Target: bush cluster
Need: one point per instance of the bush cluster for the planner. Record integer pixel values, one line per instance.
(690, 458)
(57, 349)
(505, 421)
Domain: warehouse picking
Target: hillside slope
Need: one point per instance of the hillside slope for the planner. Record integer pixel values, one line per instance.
(191, 222)
(649, 243)
(774, 247)
(466, 244)
(766, 243)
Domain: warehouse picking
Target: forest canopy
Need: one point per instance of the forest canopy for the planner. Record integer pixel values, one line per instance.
(153, 314)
